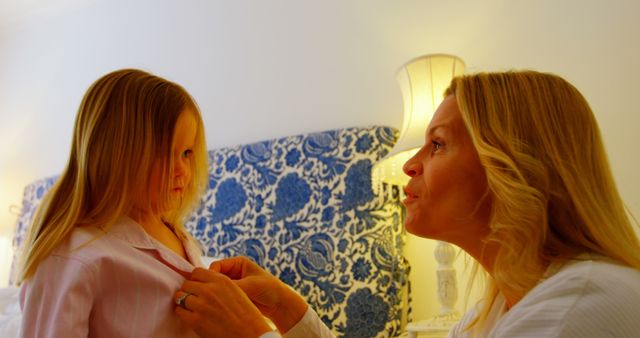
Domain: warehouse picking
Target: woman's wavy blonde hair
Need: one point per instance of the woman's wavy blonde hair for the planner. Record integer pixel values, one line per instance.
(553, 194)
(124, 125)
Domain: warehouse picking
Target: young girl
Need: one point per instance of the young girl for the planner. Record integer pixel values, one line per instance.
(107, 248)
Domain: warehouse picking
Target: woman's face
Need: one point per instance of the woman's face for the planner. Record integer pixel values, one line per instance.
(184, 137)
(447, 195)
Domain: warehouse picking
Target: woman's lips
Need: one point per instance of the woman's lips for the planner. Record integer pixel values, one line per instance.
(410, 197)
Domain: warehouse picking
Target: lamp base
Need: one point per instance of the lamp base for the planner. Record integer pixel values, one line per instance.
(437, 325)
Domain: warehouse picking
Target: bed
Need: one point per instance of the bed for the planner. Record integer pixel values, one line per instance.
(302, 207)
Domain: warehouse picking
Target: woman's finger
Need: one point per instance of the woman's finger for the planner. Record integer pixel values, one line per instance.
(218, 308)
(233, 267)
(192, 287)
(183, 299)
(190, 318)
(205, 275)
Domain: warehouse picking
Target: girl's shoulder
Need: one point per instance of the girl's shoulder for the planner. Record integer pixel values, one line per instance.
(83, 244)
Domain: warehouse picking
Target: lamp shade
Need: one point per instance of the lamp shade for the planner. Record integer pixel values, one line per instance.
(423, 81)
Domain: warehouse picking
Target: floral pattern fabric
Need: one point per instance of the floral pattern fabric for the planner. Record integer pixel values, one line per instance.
(31, 198)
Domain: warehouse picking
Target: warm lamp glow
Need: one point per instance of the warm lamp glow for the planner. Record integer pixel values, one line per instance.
(423, 81)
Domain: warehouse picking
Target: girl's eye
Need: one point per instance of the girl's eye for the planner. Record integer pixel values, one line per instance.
(187, 153)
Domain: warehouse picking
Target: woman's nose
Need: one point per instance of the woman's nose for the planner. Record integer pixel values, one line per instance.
(412, 167)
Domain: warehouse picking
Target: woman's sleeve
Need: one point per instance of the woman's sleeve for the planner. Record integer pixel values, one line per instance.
(310, 326)
(57, 300)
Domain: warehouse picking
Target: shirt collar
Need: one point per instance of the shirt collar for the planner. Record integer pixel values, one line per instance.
(130, 231)
(127, 230)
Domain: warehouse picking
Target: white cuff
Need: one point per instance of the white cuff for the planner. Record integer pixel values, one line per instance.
(310, 326)
(271, 334)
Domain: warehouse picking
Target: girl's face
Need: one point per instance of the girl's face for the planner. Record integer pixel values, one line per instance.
(447, 195)
(184, 137)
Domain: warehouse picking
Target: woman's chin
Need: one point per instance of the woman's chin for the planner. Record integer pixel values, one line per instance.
(420, 230)
(410, 225)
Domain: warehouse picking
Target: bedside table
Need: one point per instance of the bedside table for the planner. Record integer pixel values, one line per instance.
(427, 329)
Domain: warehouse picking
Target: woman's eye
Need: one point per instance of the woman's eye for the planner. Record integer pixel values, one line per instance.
(435, 146)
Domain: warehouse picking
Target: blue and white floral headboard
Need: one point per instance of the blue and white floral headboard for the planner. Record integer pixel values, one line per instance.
(303, 208)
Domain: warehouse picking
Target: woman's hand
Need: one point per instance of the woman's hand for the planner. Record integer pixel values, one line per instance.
(217, 307)
(274, 299)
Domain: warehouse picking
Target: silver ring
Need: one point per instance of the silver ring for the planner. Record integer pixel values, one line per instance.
(182, 300)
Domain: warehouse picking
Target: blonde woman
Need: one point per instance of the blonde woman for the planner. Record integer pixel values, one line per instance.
(513, 171)
(107, 249)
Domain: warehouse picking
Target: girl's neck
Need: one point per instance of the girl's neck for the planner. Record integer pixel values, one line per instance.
(147, 219)
(164, 233)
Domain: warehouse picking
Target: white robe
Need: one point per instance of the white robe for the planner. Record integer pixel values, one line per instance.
(589, 298)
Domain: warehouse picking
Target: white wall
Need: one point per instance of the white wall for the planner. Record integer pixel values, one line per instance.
(264, 69)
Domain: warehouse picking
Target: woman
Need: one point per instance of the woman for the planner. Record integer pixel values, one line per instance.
(107, 248)
(513, 171)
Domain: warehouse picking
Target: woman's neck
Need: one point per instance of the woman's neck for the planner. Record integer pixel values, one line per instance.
(485, 254)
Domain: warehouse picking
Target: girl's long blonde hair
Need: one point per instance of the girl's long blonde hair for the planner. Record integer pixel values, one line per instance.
(124, 125)
(553, 192)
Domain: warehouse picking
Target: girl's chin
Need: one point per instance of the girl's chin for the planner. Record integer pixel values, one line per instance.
(176, 196)
(173, 203)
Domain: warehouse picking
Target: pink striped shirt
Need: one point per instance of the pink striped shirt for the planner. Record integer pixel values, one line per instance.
(118, 284)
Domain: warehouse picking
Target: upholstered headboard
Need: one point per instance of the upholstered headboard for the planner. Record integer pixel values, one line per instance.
(31, 198)
(303, 208)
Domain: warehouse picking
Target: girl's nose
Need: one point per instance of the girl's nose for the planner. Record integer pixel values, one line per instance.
(179, 168)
